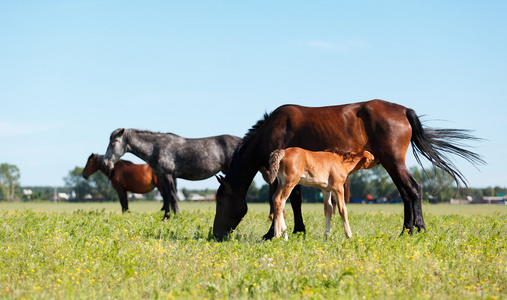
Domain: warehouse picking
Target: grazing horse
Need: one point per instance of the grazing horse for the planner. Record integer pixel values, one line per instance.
(382, 128)
(325, 170)
(125, 177)
(172, 156)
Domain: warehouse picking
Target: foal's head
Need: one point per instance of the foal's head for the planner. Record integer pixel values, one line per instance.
(359, 160)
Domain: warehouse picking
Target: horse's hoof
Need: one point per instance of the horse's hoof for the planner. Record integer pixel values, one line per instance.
(268, 236)
(406, 231)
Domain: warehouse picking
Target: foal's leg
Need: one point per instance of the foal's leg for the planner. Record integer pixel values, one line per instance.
(343, 210)
(328, 211)
(297, 211)
(281, 195)
(272, 190)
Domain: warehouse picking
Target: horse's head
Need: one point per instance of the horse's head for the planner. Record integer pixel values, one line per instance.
(230, 209)
(91, 166)
(117, 147)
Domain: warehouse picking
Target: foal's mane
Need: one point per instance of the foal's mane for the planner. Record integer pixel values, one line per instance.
(347, 155)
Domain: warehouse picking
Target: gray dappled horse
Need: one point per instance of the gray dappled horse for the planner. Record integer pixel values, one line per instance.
(172, 156)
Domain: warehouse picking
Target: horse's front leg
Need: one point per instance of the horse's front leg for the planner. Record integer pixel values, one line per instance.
(342, 209)
(295, 201)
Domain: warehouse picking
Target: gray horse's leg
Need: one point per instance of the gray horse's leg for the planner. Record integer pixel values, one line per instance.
(167, 195)
(174, 196)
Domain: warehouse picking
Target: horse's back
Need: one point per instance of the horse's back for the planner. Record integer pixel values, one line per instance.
(201, 158)
(350, 127)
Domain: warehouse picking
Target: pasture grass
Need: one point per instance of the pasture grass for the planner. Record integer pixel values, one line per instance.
(99, 253)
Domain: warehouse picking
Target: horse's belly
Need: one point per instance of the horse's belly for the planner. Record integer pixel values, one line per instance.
(313, 182)
(196, 173)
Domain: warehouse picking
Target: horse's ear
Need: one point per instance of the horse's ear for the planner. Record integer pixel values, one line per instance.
(220, 178)
(117, 132)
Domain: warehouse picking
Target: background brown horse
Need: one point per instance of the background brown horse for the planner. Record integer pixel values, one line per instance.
(385, 129)
(125, 177)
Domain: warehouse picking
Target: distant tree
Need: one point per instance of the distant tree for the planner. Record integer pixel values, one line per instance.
(311, 194)
(9, 180)
(360, 184)
(79, 185)
(252, 195)
(264, 193)
(101, 187)
(382, 185)
(436, 184)
(98, 186)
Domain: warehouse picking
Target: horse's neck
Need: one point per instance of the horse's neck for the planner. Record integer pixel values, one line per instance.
(243, 169)
(102, 168)
(355, 165)
(141, 145)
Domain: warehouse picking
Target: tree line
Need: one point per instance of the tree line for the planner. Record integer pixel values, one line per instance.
(374, 183)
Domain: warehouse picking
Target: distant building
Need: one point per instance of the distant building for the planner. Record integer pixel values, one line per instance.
(483, 200)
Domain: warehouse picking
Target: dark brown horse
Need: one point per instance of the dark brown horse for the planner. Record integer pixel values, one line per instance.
(125, 177)
(382, 128)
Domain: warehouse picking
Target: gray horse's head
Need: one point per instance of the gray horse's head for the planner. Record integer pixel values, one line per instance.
(117, 147)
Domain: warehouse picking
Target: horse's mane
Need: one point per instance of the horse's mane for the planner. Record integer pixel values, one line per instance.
(253, 131)
(234, 166)
(150, 132)
(152, 135)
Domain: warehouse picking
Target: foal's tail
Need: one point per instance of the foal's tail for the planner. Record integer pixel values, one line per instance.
(433, 144)
(274, 164)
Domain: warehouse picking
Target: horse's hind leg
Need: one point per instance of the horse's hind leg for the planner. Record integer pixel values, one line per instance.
(174, 197)
(169, 195)
(122, 194)
(411, 193)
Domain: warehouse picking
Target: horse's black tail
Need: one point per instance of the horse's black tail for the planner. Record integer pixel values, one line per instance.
(434, 143)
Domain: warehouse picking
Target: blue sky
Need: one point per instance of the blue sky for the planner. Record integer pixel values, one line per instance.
(73, 71)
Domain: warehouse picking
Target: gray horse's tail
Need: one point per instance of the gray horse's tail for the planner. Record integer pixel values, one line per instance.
(274, 164)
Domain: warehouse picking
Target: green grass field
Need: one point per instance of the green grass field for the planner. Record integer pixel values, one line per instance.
(69, 251)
